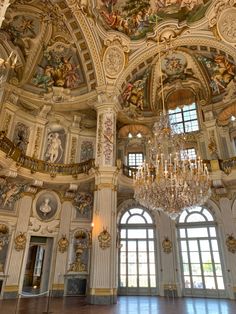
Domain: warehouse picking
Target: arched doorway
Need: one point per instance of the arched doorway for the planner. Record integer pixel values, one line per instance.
(137, 253)
(200, 257)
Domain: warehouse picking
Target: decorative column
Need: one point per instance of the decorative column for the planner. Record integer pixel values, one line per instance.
(103, 276)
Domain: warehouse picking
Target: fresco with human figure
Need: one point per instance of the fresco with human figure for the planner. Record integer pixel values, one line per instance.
(221, 73)
(59, 67)
(136, 18)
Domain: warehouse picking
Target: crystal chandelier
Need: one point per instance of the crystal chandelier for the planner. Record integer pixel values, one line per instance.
(169, 180)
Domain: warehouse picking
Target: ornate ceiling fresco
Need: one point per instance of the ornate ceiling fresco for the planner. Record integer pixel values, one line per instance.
(70, 51)
(136, 18)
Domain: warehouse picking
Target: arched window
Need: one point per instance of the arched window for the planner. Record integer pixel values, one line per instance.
(199, 253)
(184, 119)
(137, 261)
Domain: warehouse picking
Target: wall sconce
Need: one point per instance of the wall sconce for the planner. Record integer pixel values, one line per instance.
(104, 239)
(167, 245)
(20, 241)
(63, 244)
(231, 243)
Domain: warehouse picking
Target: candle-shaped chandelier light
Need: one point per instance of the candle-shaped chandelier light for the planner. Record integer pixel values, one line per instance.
(169, 180)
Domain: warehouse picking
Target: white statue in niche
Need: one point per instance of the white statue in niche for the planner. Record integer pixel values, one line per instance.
(54, 148)
(45, 208)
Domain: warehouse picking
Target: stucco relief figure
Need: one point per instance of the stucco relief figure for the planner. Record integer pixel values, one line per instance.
(45, 208)
(54, 148)
(226, 24)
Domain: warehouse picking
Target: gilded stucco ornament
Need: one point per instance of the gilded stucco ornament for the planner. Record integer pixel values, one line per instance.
(63, 244)
(104, 239)
(167, 245)
(4, 233)
(114, 61)
(221, 20)
(115, 56)
(82, 242)
(231, 243)
(20, 241)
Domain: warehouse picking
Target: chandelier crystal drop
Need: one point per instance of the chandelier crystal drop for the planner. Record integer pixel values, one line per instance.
(170, 181)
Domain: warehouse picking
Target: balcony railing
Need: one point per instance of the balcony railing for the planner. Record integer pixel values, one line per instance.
(36, 165)
(130, 171)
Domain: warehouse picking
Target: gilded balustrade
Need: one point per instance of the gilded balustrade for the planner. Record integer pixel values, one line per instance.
(36, 165)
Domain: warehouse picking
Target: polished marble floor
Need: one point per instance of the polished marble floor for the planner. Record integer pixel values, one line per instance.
(125, 305)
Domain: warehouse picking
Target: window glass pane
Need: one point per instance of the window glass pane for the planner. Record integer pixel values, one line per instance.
(142, 257)
(210, 283)
(131, 246)
(220, 283)
(143, 281)
(196, 269)
(152, 269)
(137, 233)
(148, 218)
(137, 255)
(187, 282)
(208, 269)
(150, 233)
(194, 257)
(214, 245)
(218, 270)
(132, 257)
(151, 245)
(183, 245)
(182, 232)
(143, 269)
(136, 220)
(207, 214)
(186, 269)
(132, 281)
(153, 281)
(123, 245)
(151, 257)
(123, 233)
(204, 244)
(197, 233)
(183, 216)
(123, 257)
(132, 268)
(201, 247)
(206, 257)
(212, 231)
(123, 269)
(125, 217)
(216, 257)
(185, 257)
(142, 246)
(137, 211)
(123, 281)
(193, 245)
(197, 282)
(195, 218)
